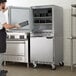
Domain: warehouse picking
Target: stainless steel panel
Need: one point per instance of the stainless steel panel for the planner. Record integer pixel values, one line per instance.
(18, 15)
(14, 58)
(15, 48)
(41, 49)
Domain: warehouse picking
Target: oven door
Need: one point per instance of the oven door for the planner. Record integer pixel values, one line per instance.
(15, 48)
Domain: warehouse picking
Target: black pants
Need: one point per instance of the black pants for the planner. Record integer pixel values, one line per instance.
(2, 40)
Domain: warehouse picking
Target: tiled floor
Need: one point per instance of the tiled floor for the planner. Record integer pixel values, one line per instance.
(22, 70)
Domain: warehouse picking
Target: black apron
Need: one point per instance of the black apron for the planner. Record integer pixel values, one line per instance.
(2, 40)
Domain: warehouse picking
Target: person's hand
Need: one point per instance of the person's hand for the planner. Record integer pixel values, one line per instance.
(17, 26)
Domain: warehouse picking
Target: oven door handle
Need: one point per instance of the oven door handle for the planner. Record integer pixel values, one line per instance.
(16, 42)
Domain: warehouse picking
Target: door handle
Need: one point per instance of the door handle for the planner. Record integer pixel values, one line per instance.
(49, 37)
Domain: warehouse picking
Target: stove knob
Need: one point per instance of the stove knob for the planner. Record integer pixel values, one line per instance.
(21, 36)
(12, 37)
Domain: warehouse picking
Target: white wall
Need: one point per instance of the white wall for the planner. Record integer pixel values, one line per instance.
(66, 4)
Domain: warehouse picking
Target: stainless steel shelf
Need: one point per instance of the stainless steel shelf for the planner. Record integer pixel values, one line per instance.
(42, 23)
(44, 17)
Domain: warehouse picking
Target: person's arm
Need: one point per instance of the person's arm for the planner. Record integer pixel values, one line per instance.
(9, 26)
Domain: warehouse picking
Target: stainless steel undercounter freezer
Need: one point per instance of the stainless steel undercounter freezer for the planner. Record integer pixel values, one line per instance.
(46, 41)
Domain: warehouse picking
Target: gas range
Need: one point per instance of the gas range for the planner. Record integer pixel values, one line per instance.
(17, 47)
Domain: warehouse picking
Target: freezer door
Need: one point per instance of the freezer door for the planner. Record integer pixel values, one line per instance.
(20, 15)
(41, 49)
